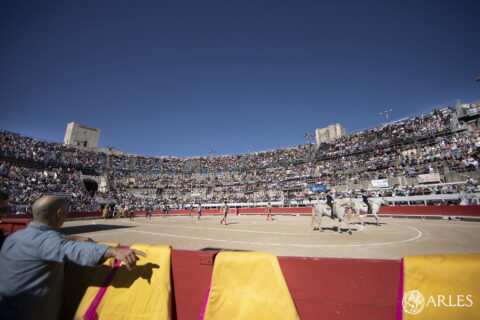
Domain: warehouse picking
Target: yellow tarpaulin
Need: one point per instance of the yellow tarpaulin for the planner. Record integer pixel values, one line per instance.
(441, 287)
(248, 285)
(80, 281)
(143, 293)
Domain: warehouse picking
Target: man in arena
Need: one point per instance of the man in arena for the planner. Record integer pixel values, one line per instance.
(365, 196)
(32, 262)
(269, 211)
(330, 201)
(130, 212)
(190, 210)
(199, 211)
(121, 212)
(106, 211)
(224, 211)
(165, 209)
(148, 212)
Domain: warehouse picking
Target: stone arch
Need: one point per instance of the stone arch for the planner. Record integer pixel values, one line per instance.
(91, 186)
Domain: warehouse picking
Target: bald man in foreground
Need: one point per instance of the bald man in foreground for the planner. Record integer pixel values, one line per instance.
(32, 262)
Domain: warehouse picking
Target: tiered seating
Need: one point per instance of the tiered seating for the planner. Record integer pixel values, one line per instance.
(398, 151)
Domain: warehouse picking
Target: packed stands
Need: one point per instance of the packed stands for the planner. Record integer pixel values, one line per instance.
(403, 153)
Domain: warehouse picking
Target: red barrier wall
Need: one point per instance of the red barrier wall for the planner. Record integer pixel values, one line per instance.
(191, 275)
(183, 211)
(468, 211)
(11, 225)
(321, 287)
(465, 211)
(19, 216)
(302, 210)
(324, 288)
(73, 214)
(327, 288)
(84, 214)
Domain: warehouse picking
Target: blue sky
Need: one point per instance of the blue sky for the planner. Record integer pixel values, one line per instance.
(184, 77)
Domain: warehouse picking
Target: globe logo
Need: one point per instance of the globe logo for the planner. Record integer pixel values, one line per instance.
(413, 302)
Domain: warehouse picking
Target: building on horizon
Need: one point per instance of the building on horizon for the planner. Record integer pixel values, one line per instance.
(81, 135)
(329, 133)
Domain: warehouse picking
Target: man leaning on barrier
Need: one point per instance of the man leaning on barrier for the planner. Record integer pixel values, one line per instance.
(32, 262)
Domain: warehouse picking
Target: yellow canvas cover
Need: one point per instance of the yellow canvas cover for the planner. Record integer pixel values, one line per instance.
(445, 286)
(143, 293)
(80, 281)
(248, 285)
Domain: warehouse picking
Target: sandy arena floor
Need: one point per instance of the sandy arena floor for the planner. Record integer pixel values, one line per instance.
(289, 235)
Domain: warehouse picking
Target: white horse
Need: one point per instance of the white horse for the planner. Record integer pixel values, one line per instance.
(359, 206)
(339, 207)
(318, 211)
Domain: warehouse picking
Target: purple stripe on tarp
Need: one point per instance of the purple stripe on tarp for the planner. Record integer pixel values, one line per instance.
(400, 293)
(205, 302)
(91, 313)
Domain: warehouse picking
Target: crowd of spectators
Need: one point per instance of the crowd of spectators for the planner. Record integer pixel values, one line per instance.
(449, 153)
(402, 132)
(49, 154)
(404, 148)
(124, 165)
(27, 185)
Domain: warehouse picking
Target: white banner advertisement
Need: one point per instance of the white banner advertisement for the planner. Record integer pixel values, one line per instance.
(380, 183)
(430, 177)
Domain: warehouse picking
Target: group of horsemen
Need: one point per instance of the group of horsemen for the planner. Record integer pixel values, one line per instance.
(337, 208)
(332, 208)
(123, 212)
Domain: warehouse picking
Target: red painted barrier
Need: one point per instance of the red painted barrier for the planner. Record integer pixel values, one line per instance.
(301, 210)
(468, 211)
(464, 211)
(9, 225)
(19, 216)
(75, 215)
(181, 211)
(327, 288)
(323, 288)
(261, 210)
(191, 275)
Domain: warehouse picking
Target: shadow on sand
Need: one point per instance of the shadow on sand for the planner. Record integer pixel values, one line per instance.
(222, 249)
(90, 228)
